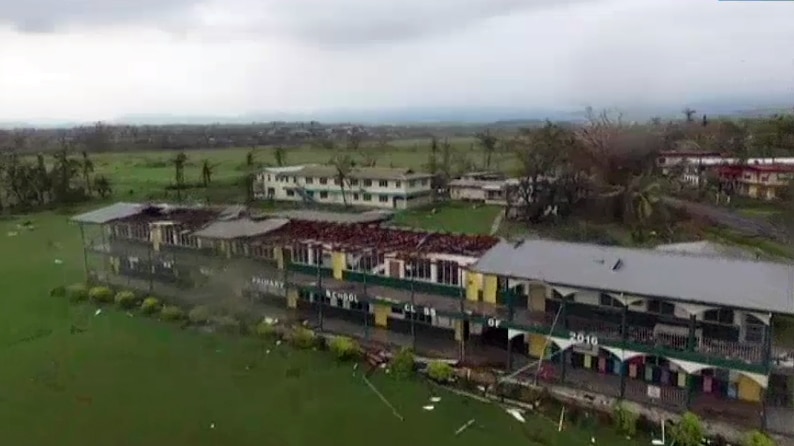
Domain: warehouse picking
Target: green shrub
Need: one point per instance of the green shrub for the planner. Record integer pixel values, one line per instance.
(440, 371)
(302, 338)
(200, 315)
(100, 294)
(125, 299)
(688, 431)
(150, 305)
(403, 364)
(625, 420)
(58, 291)
(266, 331)
(226, 324)
(345, 349)
(757, 438)
(77, 292)
(172, 313)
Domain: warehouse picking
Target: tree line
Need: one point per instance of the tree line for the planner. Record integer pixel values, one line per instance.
(102, 137)
(65, 176)
(606, 167)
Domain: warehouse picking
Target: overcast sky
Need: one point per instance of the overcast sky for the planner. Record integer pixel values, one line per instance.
(99, 59)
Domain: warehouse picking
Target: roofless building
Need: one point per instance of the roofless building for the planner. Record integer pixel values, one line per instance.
(663, 328)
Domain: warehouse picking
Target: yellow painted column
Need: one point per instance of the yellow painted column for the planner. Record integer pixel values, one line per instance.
(338, 264)
(278, 254)
(292, 298)
(382, 315)
(115, 264)
(458, 330)
(748, 389)
(473, 285)
(537, 345)
(537, 297)
(489, 289)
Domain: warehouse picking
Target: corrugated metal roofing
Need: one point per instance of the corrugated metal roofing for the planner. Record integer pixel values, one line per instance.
(333, 217)
(708, 248)
(109, 213)
(244, 227)
(760, 286)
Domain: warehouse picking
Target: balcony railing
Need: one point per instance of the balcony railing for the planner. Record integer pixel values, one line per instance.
(739, 351)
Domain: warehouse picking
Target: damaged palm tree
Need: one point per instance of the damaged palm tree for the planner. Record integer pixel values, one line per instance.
(344, 166)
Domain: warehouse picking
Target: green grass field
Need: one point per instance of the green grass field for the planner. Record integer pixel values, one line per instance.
(137, 381)
(451, 217)
(146, 172)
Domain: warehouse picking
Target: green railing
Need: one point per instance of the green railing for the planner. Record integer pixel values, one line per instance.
(404, 284)
(310, 269)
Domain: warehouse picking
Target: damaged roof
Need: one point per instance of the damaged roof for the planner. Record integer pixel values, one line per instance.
(107, 214)
(332, 217)
(243, 227)
(710, 280)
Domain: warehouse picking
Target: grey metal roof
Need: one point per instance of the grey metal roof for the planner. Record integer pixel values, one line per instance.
(708, 248)
(243, 227)
(332, 217)
(760, 286)
(362, 173)
(109, 213)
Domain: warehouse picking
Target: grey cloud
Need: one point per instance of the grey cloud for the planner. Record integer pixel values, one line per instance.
(316, 22)
(51, 15)
(360, 22)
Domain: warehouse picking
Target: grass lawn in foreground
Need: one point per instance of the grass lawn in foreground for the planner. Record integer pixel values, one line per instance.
(464, 218)
(138, 381)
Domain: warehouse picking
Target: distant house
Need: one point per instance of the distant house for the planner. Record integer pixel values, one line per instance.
(762, 181)
(385, 188)
(688, 165)
(475, 186)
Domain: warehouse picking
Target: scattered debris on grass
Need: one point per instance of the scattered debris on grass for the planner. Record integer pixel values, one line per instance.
(562, 419)
(383, 398)
(435, 399)
(428, 408)
(98, 312)
(212, 425)
(516, 413)
(37, 334)
(12, 233)
(464, 427)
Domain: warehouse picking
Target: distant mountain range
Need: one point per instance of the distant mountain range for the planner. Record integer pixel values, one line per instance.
(433, 115)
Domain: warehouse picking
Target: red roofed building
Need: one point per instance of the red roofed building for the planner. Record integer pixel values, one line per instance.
(762, 181)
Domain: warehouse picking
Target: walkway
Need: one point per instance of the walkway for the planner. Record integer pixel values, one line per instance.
(497, 222)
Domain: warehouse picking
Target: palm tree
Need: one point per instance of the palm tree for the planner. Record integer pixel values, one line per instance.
(281, 156)
(488, 143)
(640, 200)
(179, 173)
(206, 172)
(343, 165)
(102, 186)
(87, 167)
(65, 170)
(249, 158)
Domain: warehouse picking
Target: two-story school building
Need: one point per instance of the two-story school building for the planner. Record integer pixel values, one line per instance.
(665, 328)
(662, 328)
(342, 272)
(375, 187)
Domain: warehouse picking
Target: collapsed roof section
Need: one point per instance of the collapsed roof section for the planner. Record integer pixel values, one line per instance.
(344, 231)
